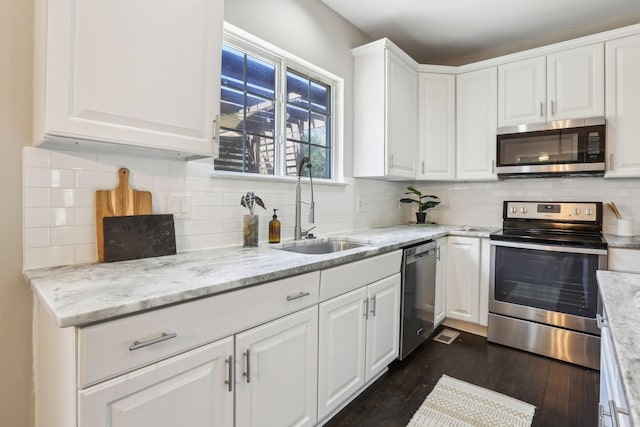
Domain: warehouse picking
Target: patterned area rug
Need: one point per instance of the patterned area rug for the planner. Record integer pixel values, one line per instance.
(457, 403)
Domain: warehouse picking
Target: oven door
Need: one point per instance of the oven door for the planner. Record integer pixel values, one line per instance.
(553, 285)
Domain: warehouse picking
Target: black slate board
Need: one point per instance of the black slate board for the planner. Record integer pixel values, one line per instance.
(138, 236)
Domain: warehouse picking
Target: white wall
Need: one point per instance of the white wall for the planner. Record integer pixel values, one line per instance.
(480, 203)
(16, 40)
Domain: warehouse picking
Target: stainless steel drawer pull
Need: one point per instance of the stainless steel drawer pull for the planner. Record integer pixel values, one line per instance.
(300, 295)
(229, 382)
(247, 374)
(139, 344)
(541, 109)
(602, 322)
(366, 307)
(373, 306)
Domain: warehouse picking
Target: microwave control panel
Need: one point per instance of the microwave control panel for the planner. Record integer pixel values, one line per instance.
(555, 211)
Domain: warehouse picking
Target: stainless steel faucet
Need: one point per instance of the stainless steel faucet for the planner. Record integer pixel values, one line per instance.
(298, 232)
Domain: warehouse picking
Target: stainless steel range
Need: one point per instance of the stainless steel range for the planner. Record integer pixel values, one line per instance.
(543, 291)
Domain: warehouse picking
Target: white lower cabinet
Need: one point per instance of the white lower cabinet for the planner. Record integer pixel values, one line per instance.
(359, 337)
(276, 372)
(463, 278)
(190, 389)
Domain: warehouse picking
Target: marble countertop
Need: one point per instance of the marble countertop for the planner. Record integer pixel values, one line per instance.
(629, 242)
(81, 294)
(621, 297)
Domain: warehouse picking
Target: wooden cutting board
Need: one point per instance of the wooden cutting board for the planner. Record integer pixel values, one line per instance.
(121, 201)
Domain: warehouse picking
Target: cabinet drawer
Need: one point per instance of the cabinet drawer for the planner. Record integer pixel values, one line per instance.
(112, 348)
(344, 278)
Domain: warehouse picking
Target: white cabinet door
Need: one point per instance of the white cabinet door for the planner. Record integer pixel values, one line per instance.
(142, 73)
(441, 281)
(575, 83)
(191, 389)
(385, 112)
(522, 92)
(341, 349)
(401, 89)
(383, 325)
(276, 372)
(463, 278)
(623, 107)
(477, 111)
(436, 127)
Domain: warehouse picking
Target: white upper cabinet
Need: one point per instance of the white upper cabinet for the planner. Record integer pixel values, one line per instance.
(623, 107)
(385, 112)
(436, 127)
(575, 83)
(133, 73)
(477, 111)
(522, 92)
(563, 85)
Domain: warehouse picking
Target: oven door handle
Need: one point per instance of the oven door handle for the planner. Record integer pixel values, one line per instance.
(549, 248)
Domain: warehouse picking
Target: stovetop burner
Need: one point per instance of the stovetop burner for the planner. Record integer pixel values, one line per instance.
(577, 224)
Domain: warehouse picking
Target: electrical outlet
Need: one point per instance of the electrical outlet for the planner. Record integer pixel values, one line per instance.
(180, 205)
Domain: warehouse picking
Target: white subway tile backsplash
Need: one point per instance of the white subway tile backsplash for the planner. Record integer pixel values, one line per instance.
(96, 180)
(73, 160)
(86, 253)
(35, 157)
(72, 235)
(48, 217)
(70, 197)
(36, 237)
(48, 178)
(36, 197)
(48, 256)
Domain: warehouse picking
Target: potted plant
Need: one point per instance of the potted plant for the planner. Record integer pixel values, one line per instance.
(250, 222)
(421, 215)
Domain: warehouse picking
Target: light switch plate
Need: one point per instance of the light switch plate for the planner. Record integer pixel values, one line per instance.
(180, 205)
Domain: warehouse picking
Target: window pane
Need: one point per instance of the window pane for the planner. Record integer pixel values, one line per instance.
(318, 130)
(297, 90)
(294, 153)
(261, 78)
(297, 124)
(259, 152)
(231, 109)
(319, 97)
(231, 152)
(232, 68)
(260, 116)
(320, 162)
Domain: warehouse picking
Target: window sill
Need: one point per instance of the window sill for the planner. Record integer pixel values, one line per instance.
(271, 178)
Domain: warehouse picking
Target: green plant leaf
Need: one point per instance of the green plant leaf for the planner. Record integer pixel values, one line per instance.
(259, 202)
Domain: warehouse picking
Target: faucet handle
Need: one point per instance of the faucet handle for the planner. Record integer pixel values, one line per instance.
(306, 234)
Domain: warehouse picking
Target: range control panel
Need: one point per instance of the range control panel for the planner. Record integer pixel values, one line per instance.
(555, 211)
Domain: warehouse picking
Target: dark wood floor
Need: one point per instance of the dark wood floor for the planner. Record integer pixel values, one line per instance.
(564, 395)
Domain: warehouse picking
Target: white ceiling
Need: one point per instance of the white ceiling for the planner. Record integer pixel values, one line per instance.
(456, 32)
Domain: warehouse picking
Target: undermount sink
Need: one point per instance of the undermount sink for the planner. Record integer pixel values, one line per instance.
(324, 247)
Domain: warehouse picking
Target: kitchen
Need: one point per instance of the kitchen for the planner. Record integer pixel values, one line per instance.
(339, 208)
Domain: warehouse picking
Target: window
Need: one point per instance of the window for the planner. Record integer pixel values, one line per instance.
(273, 111)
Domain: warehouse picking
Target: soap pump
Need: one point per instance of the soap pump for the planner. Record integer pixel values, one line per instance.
(274, 229)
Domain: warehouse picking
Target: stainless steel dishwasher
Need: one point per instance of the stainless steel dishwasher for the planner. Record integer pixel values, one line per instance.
(418, 296)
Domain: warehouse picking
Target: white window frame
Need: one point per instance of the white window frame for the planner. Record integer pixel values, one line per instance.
(283, 60)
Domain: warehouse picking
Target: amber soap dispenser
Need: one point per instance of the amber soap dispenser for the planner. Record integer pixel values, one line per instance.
(274, 229)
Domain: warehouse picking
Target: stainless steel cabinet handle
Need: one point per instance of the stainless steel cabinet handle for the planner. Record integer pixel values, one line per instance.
(391, 161)
(247, 374)
(422, 166)
(553, 108)
(229, 382)
(373, 306)
(139, 344)
(493, 166)
(300, 295)
(438, 253)
(541, 109)
(602, 322)
(366, 308)
(611, 161)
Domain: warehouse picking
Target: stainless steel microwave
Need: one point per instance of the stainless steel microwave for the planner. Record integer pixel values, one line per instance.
(560, 148)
